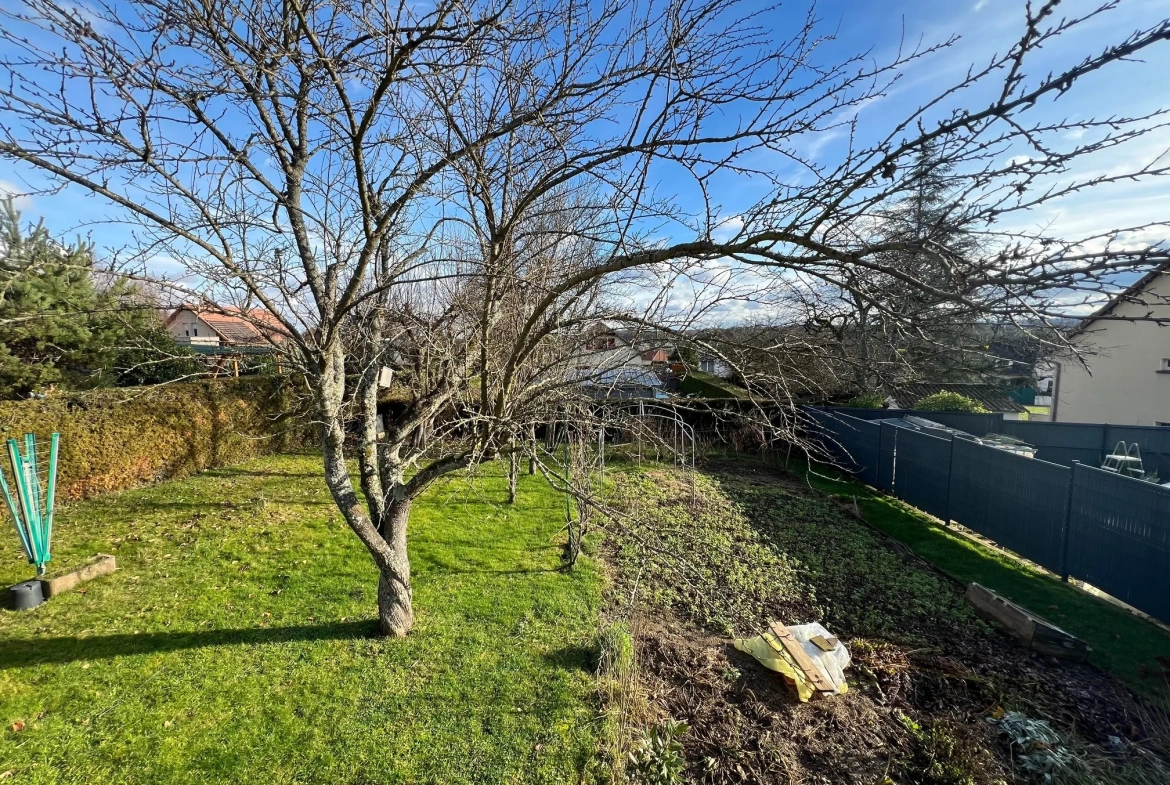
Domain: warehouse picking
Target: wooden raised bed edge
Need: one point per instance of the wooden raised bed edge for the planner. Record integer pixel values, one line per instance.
(102, 564)
(1032, 631)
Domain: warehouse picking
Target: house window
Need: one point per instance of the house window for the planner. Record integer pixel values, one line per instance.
(196, 331)
(1165, 365)
(1161, 424)
(188, 332)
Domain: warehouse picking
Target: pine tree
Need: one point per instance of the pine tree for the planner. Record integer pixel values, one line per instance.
(929, 221)
(57, 327)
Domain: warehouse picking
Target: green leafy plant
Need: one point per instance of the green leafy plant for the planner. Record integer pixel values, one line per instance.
(950, 402)
(657, 757)
(1037, 748)
(869, 400)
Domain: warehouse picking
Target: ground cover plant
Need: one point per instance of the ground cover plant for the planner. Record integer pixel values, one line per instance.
(929, 677)
(237, 641)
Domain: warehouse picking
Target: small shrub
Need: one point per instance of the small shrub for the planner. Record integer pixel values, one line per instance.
(1036, 747)
(950, 402)
(869, 400)
(657, 757)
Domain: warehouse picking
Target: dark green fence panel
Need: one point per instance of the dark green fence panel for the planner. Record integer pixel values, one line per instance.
(1119, 538)
(922, 473)
(1060, 443)
(862, 439)
(1018, 502)
(886, 446)
(854, 443)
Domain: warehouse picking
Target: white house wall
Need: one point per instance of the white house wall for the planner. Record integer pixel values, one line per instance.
(188, 328)
(1123, 385)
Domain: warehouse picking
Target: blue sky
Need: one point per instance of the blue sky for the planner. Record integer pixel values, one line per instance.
(984, 27)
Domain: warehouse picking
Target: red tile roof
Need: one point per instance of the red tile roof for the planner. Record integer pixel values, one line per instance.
(236, 327)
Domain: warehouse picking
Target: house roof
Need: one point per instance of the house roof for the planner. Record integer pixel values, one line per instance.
(1125, 296)
(993, 398)
(624, 376)
(235, 326)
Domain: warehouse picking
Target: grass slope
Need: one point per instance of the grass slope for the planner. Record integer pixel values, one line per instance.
(234, 643)
(1123, 644)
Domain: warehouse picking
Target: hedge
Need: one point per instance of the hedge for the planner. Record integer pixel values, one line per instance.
(119, 438)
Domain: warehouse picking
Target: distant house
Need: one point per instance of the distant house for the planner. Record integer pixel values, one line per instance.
(1127, 381)
(655, 356)
(614, 362)
(608, 347)
(208, 330)
(716, 366)
(989, 396)
(624, 383)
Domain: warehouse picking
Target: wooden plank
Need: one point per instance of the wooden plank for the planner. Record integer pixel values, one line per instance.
(1031, 630)
(821, 643)
(101, 565)
(796, 651)
(992, 606)
(1056, 642)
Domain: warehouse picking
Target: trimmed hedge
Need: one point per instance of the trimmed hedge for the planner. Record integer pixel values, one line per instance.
(119, 438)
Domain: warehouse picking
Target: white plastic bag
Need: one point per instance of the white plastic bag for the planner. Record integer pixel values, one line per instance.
(832, 664)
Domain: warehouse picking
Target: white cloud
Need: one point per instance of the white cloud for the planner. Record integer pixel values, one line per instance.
(727, 228)
(23, 200)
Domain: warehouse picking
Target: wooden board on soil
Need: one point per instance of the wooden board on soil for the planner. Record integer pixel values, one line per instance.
(795, 650)
(1032, 631)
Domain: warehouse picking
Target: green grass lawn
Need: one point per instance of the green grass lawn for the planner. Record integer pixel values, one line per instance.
(235, 642)
(707, 385)
(1123, 644)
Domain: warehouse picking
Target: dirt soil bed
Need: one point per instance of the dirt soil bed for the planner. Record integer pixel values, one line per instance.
(926, 673)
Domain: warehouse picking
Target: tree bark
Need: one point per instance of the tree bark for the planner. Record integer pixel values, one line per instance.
(513, 472)
(395, 603)
(387, 542)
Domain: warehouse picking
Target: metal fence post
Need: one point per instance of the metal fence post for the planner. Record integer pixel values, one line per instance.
(1072, 480)
(950, 481)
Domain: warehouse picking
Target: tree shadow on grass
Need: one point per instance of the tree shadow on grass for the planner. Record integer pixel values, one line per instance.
(26, 652)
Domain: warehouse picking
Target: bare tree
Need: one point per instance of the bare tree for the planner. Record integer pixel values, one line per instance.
(455, 192)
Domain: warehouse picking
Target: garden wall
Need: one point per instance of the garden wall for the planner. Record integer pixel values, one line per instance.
(120, 438)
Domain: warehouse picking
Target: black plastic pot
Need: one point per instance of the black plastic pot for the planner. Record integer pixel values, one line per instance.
(25, 595)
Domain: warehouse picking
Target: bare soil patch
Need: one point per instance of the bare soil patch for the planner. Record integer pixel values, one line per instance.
(927, 672)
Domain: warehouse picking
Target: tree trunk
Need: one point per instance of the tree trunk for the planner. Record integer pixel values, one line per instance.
(387, 542)
(513, 473)
(395, 605)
